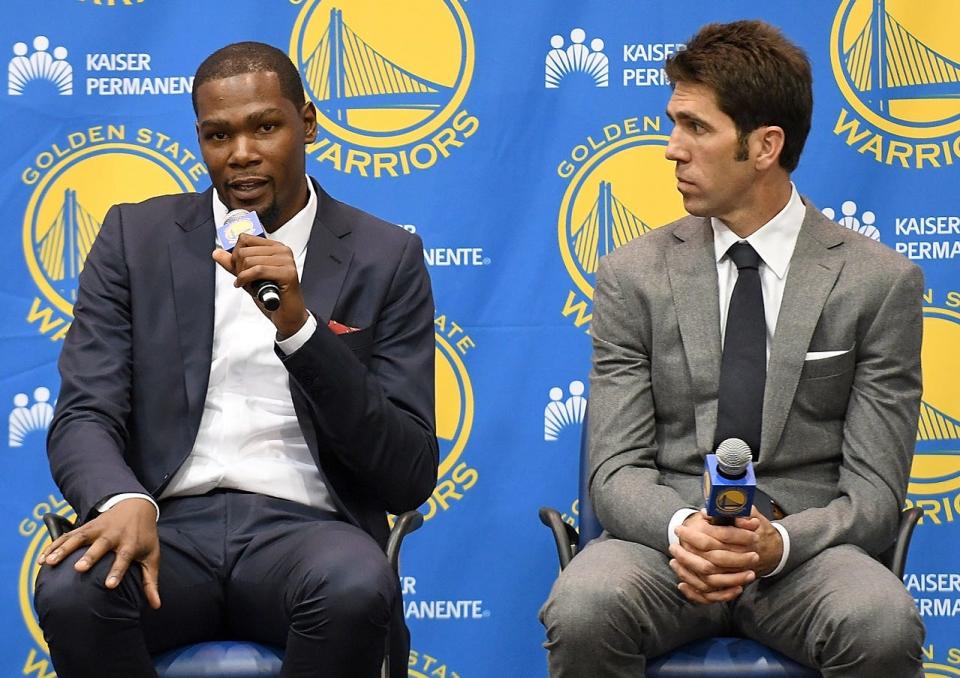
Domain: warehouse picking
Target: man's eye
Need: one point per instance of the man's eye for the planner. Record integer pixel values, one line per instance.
(217, 136)
(268, 127)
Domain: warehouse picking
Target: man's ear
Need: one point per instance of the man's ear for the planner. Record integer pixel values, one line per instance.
(309, 116)
(769, 144)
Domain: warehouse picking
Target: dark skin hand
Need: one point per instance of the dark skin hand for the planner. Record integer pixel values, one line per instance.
(255, 258)
(714, 563)
(128, 530)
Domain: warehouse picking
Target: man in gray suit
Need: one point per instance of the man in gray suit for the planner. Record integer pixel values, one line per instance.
(836, 411)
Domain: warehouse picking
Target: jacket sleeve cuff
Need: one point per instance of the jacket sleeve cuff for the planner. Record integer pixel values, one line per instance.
(786, 549)
(108, 504)
(676, 522)
(294, 342)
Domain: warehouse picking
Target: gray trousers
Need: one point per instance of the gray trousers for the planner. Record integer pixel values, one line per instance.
(617, 603)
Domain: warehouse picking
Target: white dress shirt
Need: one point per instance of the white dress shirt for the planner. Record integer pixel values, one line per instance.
(249, 437)
(774, 242)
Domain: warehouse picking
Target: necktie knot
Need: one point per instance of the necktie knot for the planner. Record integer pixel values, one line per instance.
(744, 256)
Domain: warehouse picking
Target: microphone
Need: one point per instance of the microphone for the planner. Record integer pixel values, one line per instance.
(242, 221)
(729, 482)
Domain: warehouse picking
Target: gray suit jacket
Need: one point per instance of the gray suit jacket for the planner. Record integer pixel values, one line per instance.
(838, 433)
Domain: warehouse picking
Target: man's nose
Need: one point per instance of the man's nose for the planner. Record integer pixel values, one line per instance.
(675, 151)
(244, 151)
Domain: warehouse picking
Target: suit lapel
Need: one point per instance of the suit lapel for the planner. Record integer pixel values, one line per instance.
(328, 258)
(814, 268)
(692, 270)
(193, 290)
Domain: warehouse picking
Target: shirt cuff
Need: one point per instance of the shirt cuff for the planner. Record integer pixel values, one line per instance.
(676, 522)
(293, 343)
(786, 549)
(108, 504)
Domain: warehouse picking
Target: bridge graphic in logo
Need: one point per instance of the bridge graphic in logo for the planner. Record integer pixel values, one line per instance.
(345, 73)
(601, 207)
(608, 225)
(937, 431)
(62, 250)
(896, 62)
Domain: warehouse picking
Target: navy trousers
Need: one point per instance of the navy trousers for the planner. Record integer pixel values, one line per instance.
(233, 565)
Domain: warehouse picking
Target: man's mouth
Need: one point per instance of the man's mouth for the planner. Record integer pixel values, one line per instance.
(247, 188)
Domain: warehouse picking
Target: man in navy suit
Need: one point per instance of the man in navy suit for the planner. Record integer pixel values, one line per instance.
(234, 463)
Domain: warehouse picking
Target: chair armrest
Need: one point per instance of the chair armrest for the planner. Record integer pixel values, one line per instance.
(895, 557)
(564, 534)
(407, 522)
(56, 525)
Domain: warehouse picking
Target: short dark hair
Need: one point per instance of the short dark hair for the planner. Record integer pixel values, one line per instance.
(758, 76)
(251, 57)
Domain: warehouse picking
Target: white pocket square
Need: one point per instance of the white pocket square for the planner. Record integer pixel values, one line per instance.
(820, 355)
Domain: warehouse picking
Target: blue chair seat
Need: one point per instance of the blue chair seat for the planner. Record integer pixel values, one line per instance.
(726, 658)
(220, 659)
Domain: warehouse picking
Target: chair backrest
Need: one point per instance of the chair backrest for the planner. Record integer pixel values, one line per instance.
(590, 527)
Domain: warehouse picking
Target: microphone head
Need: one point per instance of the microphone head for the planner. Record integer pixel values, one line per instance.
(237, 222)
(733, 456)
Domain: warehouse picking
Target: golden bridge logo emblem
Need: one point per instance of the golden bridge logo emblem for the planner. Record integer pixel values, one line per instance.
(936, 465)
(455, 410)
(386, 76)
(66, 210)
(626, 189)
(897, 64)
(30, 568)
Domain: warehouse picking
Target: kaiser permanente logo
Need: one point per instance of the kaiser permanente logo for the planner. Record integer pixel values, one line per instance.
(573, 61)
(576, 59)
(68, 189)
(897, 64)
(33, 71)
(919, 237)
(389, 81)
(618, 186)
(29, 417)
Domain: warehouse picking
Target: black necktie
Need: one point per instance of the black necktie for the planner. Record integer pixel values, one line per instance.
(743, 368)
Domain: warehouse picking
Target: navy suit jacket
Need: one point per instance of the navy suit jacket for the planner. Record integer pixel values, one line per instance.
(136, 361)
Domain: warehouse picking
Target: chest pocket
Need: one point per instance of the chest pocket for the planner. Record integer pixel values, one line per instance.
(824, 386)
(360, 342)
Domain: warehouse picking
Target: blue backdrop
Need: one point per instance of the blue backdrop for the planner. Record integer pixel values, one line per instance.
(520, 140)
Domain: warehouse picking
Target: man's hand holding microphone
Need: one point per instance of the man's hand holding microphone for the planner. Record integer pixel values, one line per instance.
(728, 544)
(265, 268)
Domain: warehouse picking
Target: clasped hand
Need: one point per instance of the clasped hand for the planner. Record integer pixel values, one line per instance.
(129, 531)
(714, 563)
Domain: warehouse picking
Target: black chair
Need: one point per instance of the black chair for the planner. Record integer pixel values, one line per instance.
(245, 659)
(711, 657)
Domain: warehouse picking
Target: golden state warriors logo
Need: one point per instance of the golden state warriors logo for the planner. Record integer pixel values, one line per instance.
(455, 408)
(113, 3)
(74, 184)
(731, 501)
(33, 529)
(423, 665)
(620, 186)
(935, 477)
(388, 80)
(897, 63)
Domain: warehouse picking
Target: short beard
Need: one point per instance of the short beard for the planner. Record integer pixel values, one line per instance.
(269, 216)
